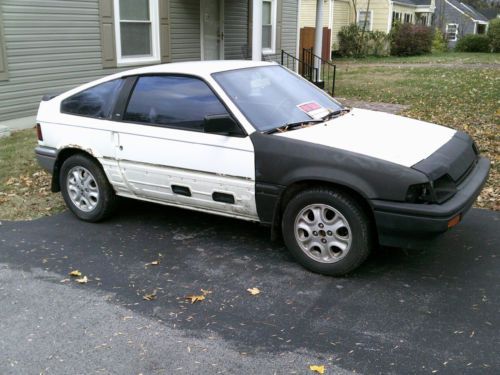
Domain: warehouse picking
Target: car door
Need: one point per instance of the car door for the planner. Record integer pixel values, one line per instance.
(165, 156)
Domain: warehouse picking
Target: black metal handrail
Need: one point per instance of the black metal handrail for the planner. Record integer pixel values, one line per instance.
(327, 70)
(309, 67)
(305, 70)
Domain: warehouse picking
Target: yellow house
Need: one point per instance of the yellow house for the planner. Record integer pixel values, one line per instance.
(379, 15)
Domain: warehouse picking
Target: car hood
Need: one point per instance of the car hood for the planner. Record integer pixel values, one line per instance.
(393, 138)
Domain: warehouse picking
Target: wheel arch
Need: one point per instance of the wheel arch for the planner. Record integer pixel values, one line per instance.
(62, 155)
(295, 187)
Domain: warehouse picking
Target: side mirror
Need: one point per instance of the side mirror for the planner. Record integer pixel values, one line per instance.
(221, 124)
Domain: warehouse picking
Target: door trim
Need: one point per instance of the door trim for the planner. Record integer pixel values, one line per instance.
(221, 27)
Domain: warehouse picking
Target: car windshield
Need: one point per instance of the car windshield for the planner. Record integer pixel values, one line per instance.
(272, 97)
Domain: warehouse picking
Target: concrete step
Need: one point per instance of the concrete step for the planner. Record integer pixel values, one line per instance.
(4, 131)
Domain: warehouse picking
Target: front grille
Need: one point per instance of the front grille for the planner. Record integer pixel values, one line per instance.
(461, 179)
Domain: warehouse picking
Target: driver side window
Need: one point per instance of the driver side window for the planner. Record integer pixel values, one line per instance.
(173, 101)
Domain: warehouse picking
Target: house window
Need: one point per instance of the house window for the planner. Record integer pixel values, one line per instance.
(268, 26)
(451, 32)
(396, 17)
(407, 18)
(364, 16)
(137, 31)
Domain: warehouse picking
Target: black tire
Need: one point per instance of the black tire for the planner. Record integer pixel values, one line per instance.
(104, 204)
(358, 231)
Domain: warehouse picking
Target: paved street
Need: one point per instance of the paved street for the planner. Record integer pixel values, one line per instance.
(435, 310)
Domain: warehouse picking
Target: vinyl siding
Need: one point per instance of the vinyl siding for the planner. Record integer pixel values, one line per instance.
(185, 30)
(289, 26)
(380, 9)
(52, 46)
(308, 13)
(342, 14)
(235, 29)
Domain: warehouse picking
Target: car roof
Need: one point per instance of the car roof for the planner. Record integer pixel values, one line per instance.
(199, 68)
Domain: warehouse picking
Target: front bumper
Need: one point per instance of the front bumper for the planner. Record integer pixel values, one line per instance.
(46, 157)
(410, 224)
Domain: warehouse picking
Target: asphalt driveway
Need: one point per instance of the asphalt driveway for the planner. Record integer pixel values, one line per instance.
(435, 310)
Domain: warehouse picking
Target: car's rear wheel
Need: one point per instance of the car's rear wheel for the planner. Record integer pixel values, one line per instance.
(327, 231)
(86, 189)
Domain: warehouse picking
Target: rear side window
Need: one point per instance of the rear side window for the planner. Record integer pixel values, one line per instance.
(97, 101)
(176, 101)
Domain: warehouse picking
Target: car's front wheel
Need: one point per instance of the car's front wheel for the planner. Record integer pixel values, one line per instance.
(85, 188)
(327, 231)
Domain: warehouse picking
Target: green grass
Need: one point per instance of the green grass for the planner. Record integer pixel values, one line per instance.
(24, 188)
(461, 98)
(435, 58)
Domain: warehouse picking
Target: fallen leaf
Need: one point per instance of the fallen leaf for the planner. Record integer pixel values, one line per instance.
(253, 291)
(318, 369)
(194, 298)
(150, 297)
(75, 273)
(82, 280)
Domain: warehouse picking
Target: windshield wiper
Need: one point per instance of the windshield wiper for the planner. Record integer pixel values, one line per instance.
(334, 114)
(291, 125)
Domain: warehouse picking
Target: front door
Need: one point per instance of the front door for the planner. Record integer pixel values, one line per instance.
(165, 156)
(212, 29)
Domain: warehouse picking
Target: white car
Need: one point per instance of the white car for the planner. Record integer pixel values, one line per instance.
(255, 141)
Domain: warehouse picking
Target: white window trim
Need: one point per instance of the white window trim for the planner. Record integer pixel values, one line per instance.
(155, 37)
(371, 18)
(268, 51)
(456, 32)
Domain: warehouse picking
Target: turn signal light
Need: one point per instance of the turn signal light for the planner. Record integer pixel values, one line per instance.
(39, 132)
(454, 221)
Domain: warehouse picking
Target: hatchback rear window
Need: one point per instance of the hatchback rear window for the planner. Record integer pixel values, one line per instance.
(97, 101)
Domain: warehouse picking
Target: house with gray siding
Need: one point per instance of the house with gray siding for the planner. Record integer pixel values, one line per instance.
(456, 19)
(49, 46)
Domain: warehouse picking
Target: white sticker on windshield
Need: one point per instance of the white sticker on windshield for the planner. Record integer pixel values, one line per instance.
(313, 110)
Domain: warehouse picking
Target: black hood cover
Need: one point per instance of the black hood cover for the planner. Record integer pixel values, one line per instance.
(454, 159)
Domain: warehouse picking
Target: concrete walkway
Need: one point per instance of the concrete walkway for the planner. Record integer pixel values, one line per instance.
(374, 106)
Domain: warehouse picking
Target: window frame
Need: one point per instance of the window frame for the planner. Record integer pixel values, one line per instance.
(128, 88)
(455, 38)
(370, 11)
(274, 20)
(154, 20)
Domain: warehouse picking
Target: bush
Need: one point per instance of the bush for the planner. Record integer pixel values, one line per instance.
(438, 42)
(473, 43)
(494, 35)
(378, 43)
(409, 40)
(353, 42)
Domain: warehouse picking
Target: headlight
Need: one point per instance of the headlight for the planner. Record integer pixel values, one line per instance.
(420, 193)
